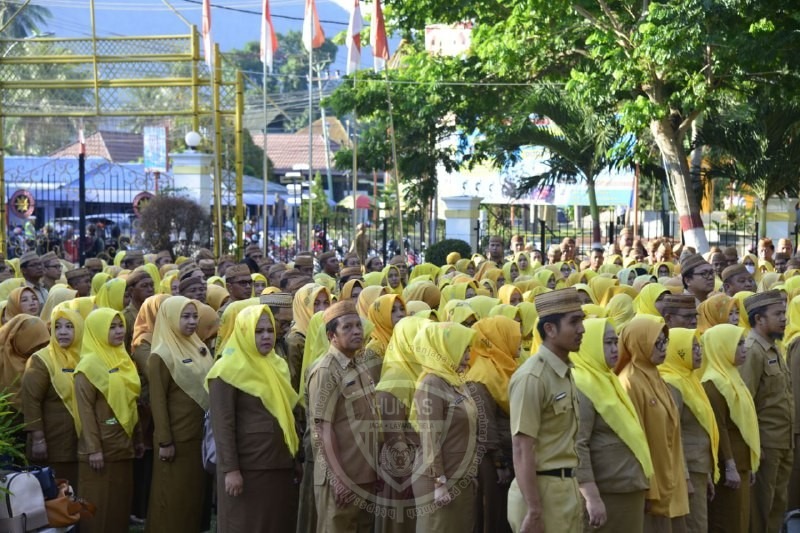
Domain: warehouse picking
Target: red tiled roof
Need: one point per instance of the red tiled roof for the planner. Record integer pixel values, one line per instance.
(119, 147)
(288, 149)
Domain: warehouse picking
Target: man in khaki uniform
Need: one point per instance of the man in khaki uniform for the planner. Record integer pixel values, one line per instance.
(544, 423)
(343, 410)
(768, 378)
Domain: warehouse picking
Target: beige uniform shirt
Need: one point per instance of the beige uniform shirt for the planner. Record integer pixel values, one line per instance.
(544, 405)
(767, 376)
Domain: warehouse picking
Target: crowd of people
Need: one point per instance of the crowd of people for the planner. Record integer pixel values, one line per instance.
(641, 388)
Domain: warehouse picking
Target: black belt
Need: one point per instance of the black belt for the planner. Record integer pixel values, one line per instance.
(557, 472)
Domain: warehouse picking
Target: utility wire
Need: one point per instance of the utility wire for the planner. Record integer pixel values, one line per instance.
(252, 12)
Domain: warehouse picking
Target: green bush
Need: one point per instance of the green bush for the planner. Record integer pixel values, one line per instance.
(437, 253)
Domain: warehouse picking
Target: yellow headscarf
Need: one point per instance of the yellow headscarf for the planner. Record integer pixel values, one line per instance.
(744, 321)
(719, 349)
(367, 297)
(528, 271)
(677, 370)
(347, 289)
(264, 376)
(792, 321)
(373, 279)
(507, 272)
(55, 297)
(228, 321)
(303, 305)
(186, 358)
(165, 287)
(61, 362)
(112, 294)
(593, 311)
(98, 280)
(109, 368)
(505, 310)
(83, 305)
(380, 314)
(13, 305)
(600, 287)
(493, 356)
(415, 306)
(715, 310)
(9, 285)
(399, 288)
(216, 295)
(645, 303)
(258, 278)
(119, 257)
(768, 280)
(454, 292)
(529, 316)
(791, 285)
(482, 305)
(620, 311)
(401, 367)
(316, 345)
(423, 291)
(506, 291)
(145, 322)
(598, 382)
(425, 269)
(216, 280)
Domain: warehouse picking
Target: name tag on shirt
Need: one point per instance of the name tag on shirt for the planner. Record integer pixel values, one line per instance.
(69, 370)
(111, 422)
(189, 360)
(113, 370)
(350, 383)
(772, 361)
(560, 396)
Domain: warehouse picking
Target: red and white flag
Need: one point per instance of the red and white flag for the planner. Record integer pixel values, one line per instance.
(354, 38)
(377, 38)
(269, 40)
(313, 36)
(208, 47)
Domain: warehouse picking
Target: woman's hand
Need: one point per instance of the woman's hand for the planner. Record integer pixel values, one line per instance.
(234, 484)
(166, 453)
(597, 512)
(96, 461)
(39, 449)
(441, 496)
(732, 479)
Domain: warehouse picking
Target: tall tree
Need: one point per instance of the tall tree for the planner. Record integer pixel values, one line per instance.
(26, 18)
(664, 62)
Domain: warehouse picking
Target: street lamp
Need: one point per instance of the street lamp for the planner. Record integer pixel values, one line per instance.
(193, 140)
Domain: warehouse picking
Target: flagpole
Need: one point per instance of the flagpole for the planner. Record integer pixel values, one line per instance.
(265, 168)
(310, 149)
(355, 158)
(394, 160)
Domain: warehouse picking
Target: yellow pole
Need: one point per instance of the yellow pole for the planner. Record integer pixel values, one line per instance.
(94, 65)
(239, 148)
(195, 79)
(216, 76)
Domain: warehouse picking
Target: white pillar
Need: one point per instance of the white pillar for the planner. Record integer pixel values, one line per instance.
(193, 175)
(461, 214)
(781, 218)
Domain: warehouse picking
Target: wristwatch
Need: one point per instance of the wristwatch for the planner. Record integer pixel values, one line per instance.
(439, 481)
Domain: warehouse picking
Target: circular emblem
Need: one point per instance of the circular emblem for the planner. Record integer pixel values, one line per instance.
(22, 203)
(141, 200)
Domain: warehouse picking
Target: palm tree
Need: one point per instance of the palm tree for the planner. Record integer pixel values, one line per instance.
(580, 139)
(27, 20)
(758, 147)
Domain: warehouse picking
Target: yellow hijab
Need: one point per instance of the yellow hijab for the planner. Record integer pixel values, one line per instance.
(347, 289)
(425, 269)
(83, 305)
(9, 285)
(228, 321)
(600, 287)
(380, 314)
(505, 293)
(715, 310)
(165, 287)
(792, 321)
(367, 297)
(493, 357)
(744, 321)
(401, 367)
(399, 288)
(456, 291)
(186, 358)
(620, 311)
(112, 294)
(373, 279)
(55, 297)
(152, 269)
(98, 280)
(216, 295)
(303, 305)
(61, 362)
(423, 291)
(316, 345)
(719, 349)
(678, 371)
(109, 368)
(645, 303)
(598, 382)
(505, 310)
(263, 376)
(145, 322)
(14, 305)
(482, 305)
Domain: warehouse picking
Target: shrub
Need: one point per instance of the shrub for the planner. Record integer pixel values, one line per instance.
(166, 219)
(437, 253)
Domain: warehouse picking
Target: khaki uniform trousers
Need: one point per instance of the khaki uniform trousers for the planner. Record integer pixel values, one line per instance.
(561, 505)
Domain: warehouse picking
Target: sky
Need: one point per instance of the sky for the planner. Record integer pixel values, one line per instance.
(231, 29)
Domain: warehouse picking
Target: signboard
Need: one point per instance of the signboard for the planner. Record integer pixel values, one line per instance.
(155, 148)
(448, 40)
(22, 204)
(141, 200)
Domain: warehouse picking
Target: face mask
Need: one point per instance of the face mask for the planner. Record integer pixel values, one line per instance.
(750, 268)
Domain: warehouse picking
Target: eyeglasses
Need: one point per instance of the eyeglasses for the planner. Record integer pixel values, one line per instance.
(243, 282)
(55, 265)
(708, 274)
(661, 343)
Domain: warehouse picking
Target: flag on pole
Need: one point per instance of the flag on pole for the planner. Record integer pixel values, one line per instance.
(208, 48)
(377, 38)
(269, 41)
(354, 38)
(313, 36)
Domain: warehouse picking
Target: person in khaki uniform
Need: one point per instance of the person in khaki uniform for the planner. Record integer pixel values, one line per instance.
(342, 410)
(544, 423)
(792, 346)
(768, 379)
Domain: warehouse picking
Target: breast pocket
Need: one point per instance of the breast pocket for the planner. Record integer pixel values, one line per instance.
(563, 411)
(356, 402)
(774, 378)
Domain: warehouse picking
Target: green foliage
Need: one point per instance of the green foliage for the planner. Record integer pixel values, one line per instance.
(12, 449)
(166, 217)
(27, 20)
(437, 252)
(320, 199)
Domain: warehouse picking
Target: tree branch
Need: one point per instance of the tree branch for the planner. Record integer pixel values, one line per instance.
(687, 122)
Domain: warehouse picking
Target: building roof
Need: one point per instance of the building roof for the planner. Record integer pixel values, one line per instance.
(116, 146)
(286, 150)
(337, 132)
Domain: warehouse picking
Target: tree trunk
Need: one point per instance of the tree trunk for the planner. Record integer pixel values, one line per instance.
(762, 218)
(677, 169)
(594, 211)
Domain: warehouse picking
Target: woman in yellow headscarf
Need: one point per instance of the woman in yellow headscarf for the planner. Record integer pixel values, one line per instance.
(488, 285)
(112, 295)
(176, 371)
(374, 279)
(425, 269)
(83, 305)
(106, 389)
(446, 418)
(259, 283)
(482, 305)
(98, 280)
(493, 358)
(393, 280)
(20, 337)
(216, 296)
(744, 321)
(310, 299)
(459, 291)
(383, 314)
(48, 397)
(22, 300)
(645, 303)
(643, 346)
(546, 278)
(528, 316)
(717, 309)
(8, 285)
(601, 287)
(698, 426)
(252, 402)
(497, 276)
(465, 266)
(614, 457)
(509, 311)
(56, 296)
(510, 272)
(423, 291)
(351, 289)
(523, 261)
(509, 294)
(228, 321)
(367, 297)
(169, 283)
(739, 443)
(620, 311)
